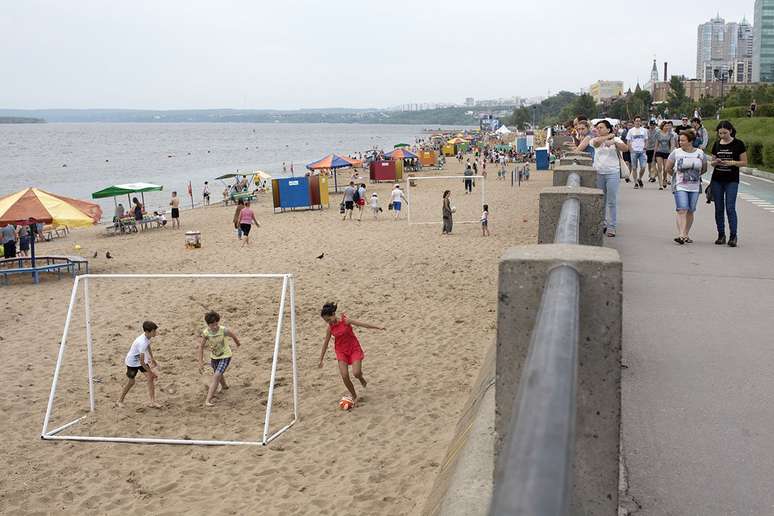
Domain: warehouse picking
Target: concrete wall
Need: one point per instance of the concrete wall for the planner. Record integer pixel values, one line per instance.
(592, 206)
(465, 481)
(587, 174)
(522, 277)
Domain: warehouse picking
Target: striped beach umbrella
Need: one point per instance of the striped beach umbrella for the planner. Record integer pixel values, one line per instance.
(333, 161)
(33, 205)
(400, 153)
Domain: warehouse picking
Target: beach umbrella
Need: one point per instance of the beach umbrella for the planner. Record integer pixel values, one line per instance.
(400, 154)
(32, 206)
(333, 162)
(397, 145)
(456, 141)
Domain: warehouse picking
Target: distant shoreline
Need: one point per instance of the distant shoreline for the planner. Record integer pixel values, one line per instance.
(21, 120)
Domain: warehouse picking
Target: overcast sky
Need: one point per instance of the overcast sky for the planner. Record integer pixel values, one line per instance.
(170, 54)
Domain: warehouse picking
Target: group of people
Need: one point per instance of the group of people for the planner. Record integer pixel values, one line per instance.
(14, 236)
(355, 196)
(674, 158)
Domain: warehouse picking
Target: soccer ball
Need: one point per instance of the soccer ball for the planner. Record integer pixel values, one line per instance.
(454, 209)
(346, 403)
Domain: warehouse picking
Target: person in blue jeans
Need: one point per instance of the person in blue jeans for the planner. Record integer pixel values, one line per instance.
(636, 139)
(686, 164)
(728, 154)
(608, 166)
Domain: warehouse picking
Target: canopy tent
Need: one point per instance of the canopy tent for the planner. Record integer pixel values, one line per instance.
(127, 189)
(456, 141)
(397, 145)
(334, 162)
(32, 206)
(503, 130)
(400, 154)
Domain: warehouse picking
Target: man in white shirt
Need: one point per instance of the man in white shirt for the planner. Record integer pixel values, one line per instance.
(636, 139)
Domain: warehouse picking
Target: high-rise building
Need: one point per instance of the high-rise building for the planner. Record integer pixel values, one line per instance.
(724, 51)
(763, 41)
(470, 102)
(603, 90)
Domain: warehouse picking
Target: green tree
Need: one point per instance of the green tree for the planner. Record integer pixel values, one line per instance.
(520, 118)
(708, 106)
(677, 101)
(585, 105)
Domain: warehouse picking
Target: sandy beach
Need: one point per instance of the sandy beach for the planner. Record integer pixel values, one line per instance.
(435, 294)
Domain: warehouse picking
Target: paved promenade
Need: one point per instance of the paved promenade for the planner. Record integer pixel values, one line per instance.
(698, 390)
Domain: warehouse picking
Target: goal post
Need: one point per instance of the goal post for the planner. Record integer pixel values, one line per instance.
(461, 179)
(287, 296)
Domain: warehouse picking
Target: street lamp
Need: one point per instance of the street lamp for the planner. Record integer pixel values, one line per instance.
(722, 75)
(534, 116)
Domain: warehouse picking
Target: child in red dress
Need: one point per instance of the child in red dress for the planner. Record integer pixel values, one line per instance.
(346, 346)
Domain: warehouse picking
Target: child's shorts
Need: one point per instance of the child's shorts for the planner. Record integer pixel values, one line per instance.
(219, 365)
(131, 371)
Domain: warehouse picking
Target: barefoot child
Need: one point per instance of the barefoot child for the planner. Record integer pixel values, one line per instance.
(214, 336)
(140, 358)
(485, 220)
(346, 346)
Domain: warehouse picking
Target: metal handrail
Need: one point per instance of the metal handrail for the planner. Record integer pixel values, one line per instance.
(535, 473)
(568, 228)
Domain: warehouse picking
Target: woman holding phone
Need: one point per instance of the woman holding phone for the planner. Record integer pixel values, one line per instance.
(728, 154)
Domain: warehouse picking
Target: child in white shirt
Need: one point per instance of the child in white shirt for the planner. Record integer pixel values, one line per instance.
(375, 209)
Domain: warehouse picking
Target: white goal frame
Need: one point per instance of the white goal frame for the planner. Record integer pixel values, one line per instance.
(288, 287)
(461, 178)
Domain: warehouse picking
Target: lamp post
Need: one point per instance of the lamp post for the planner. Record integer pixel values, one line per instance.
(534, 116)
(722, 75)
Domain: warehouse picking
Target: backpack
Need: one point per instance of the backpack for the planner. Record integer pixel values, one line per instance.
(356, 195)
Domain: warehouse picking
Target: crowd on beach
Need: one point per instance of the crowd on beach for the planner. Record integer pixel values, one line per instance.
(673, 158)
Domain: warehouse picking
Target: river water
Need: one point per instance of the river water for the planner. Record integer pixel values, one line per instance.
(78, 159)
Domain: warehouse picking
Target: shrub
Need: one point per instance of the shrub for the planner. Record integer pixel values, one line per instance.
(764, 110)
(768, 155)
(755, 152)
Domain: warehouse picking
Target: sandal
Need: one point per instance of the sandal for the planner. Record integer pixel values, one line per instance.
(688, 240)
(680, 240)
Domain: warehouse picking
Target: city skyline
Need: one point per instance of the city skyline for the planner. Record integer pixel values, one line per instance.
(194, 55)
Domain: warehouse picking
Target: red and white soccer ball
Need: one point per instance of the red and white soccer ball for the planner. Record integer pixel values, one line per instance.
(346, 403)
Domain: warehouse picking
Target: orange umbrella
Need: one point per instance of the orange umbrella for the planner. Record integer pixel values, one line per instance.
(32, 206)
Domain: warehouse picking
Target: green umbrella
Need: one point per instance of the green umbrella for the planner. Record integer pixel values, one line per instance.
(127, 189)
(401, 145)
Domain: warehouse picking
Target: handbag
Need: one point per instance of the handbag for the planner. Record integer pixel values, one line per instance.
(624, 166)
(708, 193)
(389, 206)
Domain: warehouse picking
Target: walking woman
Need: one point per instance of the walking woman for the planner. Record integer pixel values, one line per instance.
(607, 163)
(688, 164)
(447, 213)
(665, 144)
(728, 154)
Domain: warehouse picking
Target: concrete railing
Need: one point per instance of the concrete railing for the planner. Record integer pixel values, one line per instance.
(546, 440)
(557, 391)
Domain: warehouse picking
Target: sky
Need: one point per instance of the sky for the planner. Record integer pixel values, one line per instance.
(288, 54)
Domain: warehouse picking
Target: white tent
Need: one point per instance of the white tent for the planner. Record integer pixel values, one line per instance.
(503, 130)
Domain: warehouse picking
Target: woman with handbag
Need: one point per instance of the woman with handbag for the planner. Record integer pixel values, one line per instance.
(610, 169)
(686, 164)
